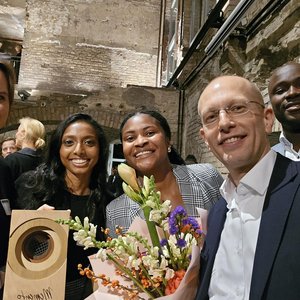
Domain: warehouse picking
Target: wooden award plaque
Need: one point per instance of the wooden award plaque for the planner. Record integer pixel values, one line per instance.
(37, 255)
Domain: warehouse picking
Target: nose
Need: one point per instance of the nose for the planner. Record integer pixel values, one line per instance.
(225, 122)
(78, 148)
(140, 140)
(293, 91)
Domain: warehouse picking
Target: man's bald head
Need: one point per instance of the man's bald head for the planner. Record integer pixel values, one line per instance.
(222, 84)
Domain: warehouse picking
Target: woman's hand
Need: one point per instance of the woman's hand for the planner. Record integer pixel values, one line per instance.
(46, 207)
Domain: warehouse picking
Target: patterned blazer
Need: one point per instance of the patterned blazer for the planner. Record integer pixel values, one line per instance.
(199, 186)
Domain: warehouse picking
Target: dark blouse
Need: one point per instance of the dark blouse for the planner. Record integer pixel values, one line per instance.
(76, 254)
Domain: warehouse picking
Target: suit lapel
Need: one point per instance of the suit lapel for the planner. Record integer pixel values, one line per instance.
(278, 202)
(218, 215)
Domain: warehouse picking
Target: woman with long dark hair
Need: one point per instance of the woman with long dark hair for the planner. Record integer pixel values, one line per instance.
(73, 177)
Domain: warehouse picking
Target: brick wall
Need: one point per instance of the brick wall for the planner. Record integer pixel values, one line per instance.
(277, 41)
(88, 45)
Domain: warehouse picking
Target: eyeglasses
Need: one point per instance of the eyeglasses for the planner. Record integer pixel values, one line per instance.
(234, 111)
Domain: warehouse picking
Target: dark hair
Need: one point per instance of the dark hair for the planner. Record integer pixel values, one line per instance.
(47, 181)
(9, 74)
(8, 138)
(190, 159)
(174, 156)
(53, 160)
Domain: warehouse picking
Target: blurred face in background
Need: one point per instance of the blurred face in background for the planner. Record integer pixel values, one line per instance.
(4, 100)
(20, 134)
(8, 147)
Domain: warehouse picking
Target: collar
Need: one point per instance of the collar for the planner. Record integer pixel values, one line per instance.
(256, 181)
(283, 140)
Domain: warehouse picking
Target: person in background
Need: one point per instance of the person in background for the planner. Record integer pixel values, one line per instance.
(114, 184)
(7, 192)
(16, 59)
(284, 93)
(72, 177)
(146, 142)
(190, 159)
(251, 249)
(8, 146)
(30, 139)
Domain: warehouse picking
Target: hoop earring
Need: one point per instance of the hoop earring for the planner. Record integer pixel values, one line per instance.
(169, 149)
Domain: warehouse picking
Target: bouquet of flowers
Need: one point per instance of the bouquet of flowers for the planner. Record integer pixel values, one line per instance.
(155, 269)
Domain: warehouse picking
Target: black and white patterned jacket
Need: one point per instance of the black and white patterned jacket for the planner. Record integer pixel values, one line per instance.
(199, 186)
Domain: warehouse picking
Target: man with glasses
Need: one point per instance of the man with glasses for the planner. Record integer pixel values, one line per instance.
(284, 93)
(252, 246)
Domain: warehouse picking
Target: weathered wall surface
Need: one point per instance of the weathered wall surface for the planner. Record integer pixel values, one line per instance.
(276, 41)
(95, 56)
(87, 45)
(108, 107)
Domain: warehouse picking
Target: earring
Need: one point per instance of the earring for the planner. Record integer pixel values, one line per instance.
(169, 149)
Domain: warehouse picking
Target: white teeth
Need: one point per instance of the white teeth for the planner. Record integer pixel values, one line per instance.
(141, 153)
(79, 161)
(231, 140)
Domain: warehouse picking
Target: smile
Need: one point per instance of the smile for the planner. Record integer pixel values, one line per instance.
(292, 106)
(231, 140)
(142, 153)
(79, 161)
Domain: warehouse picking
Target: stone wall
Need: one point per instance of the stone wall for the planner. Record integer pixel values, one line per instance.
(276, 41)
(87, 45)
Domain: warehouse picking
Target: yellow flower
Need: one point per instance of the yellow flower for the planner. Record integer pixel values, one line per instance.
(129, 176)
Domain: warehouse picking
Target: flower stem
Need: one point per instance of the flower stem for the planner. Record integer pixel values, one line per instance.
(152, 228)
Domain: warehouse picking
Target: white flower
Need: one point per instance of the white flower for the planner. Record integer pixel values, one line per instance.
(166, 207)
(79, 236)
(133, 262)
(155, 216)
(93, 230)
(166, 253)
(165, 225)
(150, 203)
(163, 263)
(101, 254)
(169, 273)
(86, 224)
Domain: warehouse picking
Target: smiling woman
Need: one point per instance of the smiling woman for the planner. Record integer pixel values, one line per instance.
(72, 177)
(146, 141)
(7, 80)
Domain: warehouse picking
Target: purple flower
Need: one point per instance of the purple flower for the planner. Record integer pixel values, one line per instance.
(173, 226)
(179, 210)
(192, 221)
(181, 243)
(163, 242)
(177, 214)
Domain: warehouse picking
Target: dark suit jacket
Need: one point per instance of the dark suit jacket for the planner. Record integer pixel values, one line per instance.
(6, 192)
(22, 161)
(276, 269)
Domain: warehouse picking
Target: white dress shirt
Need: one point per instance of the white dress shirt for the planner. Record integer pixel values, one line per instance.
(285, 148)
(232, 270)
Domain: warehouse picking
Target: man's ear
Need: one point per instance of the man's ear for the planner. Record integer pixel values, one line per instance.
(202, 135)
(269, 118)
